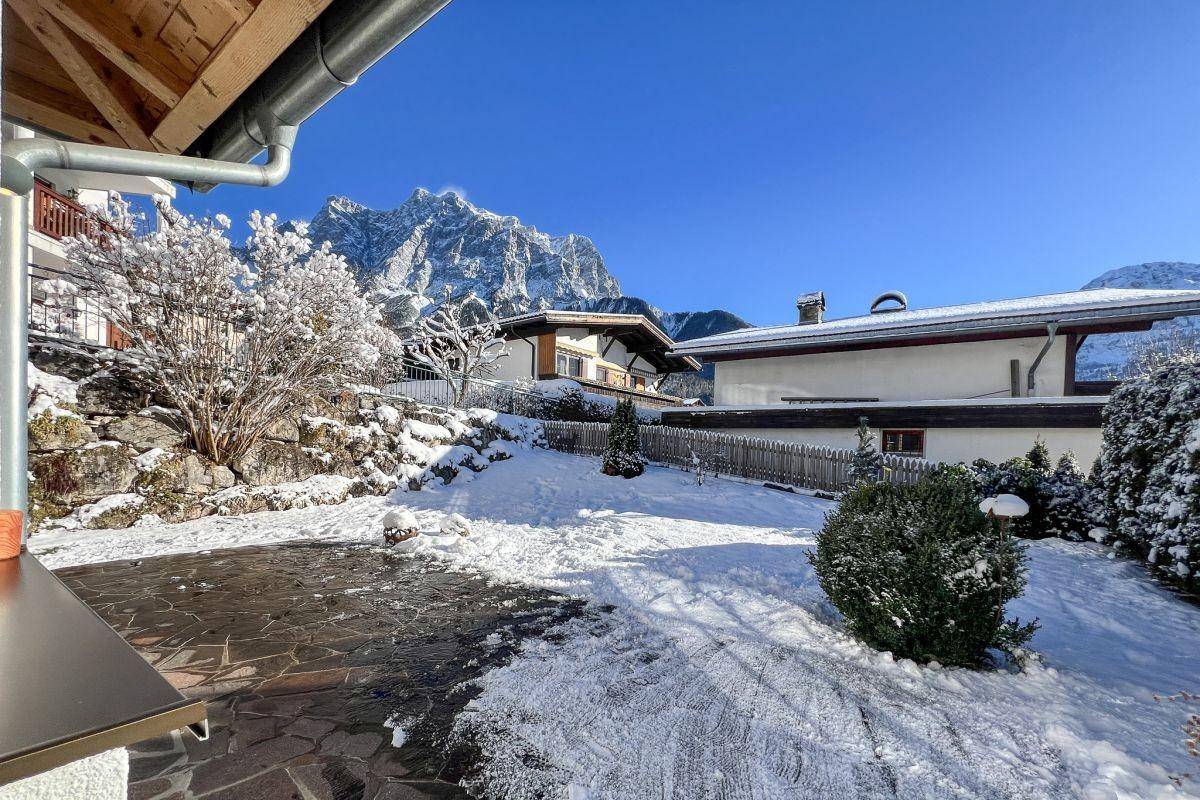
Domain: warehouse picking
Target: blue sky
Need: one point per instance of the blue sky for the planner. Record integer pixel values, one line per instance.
(733, 155)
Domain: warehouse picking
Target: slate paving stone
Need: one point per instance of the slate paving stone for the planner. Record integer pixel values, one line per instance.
(302, 652)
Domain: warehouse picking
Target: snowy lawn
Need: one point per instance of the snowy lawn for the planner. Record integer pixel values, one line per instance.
(722, 672)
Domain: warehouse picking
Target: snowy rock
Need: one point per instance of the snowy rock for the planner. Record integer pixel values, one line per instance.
(269, 462)
(103, 470)
(144, 433)
(1099, 535)
(455, 524)
(284, 429)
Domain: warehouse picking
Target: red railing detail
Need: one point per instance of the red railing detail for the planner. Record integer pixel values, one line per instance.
(59, 217)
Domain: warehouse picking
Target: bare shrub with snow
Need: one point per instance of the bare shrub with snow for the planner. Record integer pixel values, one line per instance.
(457, 346)
(1149, 468)
(920, 572)
(235, 346)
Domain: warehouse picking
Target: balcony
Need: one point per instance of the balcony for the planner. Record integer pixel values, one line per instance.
(59, 217)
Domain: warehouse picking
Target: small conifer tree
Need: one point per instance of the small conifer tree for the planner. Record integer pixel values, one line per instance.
(867, 464)
(1066, 500)
(1039, 457)
(623, 456)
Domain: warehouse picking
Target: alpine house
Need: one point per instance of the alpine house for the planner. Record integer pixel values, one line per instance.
(951, 383)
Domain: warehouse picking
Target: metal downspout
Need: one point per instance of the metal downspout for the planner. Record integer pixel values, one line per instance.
(1031, 380)
(19, 159)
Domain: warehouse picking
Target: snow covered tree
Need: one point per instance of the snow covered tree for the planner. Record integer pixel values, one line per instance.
(1149, 463)
(919, 571)
(867, 464)
(456, 347)
(623, 455)
(1066, 500)
(1148, 355)
(707, 456)
(234, 345)
(1039, 456)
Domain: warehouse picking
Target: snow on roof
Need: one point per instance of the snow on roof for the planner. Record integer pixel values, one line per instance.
(1091, 305)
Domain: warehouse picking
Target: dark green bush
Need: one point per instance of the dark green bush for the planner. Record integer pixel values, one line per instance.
(915, 570)
(623, 455)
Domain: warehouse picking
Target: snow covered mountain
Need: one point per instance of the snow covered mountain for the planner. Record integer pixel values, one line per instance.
(433, 240)
(1102, 357)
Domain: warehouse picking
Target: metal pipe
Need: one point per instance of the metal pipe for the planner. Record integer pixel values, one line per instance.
(19, 159)
(1031, 380)
(14, 354)
(23, 157)
(348, 37)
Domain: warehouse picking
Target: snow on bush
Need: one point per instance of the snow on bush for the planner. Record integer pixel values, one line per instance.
(235, 346)
(1149, 462)
(623, 455)
(920, 572)
(1057, 497)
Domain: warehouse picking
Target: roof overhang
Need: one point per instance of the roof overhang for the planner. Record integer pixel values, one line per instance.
(790, 341)
(160, 76)
(636, 332)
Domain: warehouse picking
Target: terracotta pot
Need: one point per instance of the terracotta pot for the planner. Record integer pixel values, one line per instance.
(11, 523)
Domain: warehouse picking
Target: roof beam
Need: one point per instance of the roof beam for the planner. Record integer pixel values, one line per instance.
(106, 44)
(240, 10)
(50, 117)
(58, 43)
(243, 55)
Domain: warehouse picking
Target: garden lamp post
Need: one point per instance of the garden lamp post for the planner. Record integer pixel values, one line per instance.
(1003, 507)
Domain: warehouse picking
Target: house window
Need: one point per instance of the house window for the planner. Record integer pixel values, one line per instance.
(603, 375)
(569, 365)
(904, 443)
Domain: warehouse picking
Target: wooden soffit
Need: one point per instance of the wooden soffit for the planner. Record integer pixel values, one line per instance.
(142, 74)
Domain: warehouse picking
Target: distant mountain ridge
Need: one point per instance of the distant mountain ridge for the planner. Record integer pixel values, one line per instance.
(431, 241)
(1103, 357)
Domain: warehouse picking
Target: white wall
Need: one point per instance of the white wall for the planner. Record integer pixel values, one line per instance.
(927, 372)
(952, 445)
(518, 364)
(100, 777)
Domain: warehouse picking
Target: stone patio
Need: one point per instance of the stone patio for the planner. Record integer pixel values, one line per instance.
(303, 652)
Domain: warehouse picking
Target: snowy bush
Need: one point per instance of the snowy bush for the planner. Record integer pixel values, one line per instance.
(920, 572)
(1067, 497)
(234, 345)
(1059, 499)
(455, 524)
(623, 456)
(867, 463)
(1149, 459)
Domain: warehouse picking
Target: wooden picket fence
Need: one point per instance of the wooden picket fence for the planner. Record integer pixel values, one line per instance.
(789, 463)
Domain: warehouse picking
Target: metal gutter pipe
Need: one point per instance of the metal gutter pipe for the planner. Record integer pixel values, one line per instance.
(347, 39)
(19, 159)
(1031, 380)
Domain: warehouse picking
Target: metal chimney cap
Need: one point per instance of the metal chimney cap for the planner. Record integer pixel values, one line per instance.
(891, 294)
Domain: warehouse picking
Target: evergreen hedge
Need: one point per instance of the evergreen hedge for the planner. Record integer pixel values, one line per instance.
(1149, 471)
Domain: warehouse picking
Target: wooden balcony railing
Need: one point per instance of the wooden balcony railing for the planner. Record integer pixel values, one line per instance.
(58, 216)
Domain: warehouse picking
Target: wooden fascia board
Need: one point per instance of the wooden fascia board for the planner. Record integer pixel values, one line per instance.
(234, 65)
(1025, 415)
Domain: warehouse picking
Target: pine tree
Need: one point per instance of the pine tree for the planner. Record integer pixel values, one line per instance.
(1039, 456)
(1067, 499)
(623, 456)
(867, 464)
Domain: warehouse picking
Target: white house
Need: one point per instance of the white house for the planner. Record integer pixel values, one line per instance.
(65, 203)
(621, 355)
(953, 383)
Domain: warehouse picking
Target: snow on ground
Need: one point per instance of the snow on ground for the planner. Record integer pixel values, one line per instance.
(721, 670)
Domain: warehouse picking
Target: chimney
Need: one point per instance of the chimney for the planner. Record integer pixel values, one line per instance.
(811, 307)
